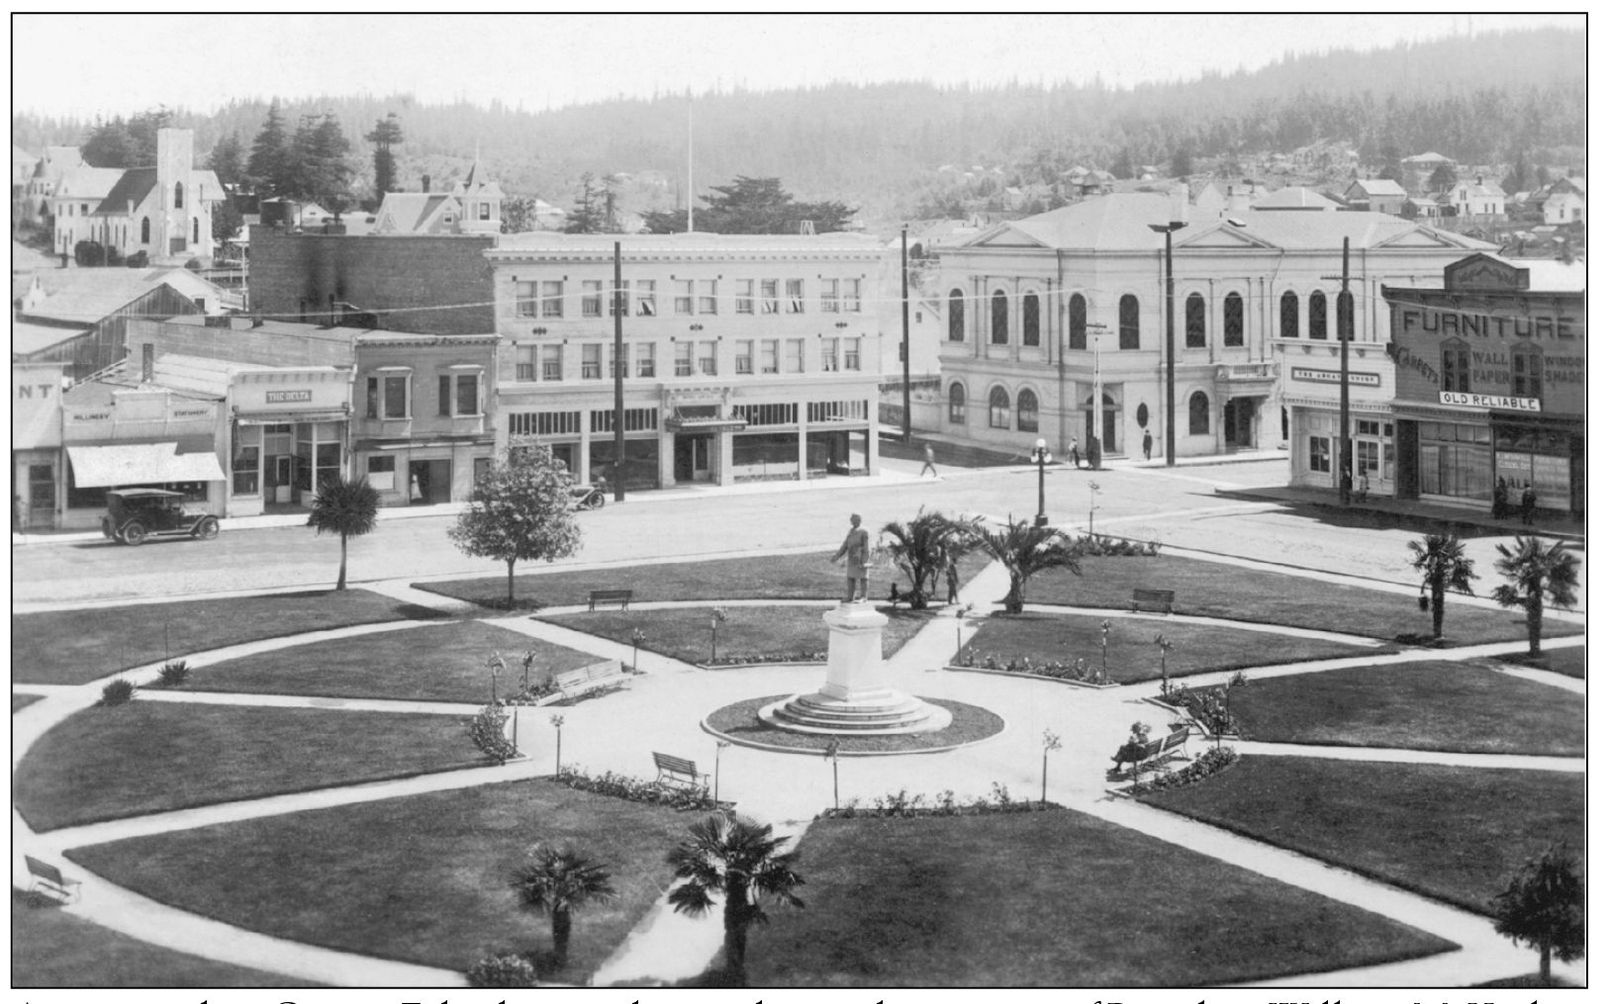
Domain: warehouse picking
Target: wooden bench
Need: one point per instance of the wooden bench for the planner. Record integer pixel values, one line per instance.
(1154, 600)
(620, 596)
(677, 772)
(48, 879)
(605, 675)
(1153, 751)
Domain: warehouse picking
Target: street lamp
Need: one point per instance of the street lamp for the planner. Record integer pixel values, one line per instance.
(1166, 230)
(1040, 456)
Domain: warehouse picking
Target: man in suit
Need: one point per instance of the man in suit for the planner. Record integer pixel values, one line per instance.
(857, 550)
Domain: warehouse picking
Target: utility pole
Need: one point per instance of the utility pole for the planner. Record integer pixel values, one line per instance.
(619, 381)
(1348, 322)
(1166, 230)
(904, 344)
(1092, 332)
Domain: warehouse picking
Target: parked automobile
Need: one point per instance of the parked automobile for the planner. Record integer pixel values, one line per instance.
(135, 515)
(586, 497)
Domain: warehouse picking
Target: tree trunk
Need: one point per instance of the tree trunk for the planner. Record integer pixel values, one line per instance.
(1546, 964)
(1437, 607)
(561, 937)
(510, 584)
(340, 582)
(736, 933)
(1015, 598)
(1532, 617)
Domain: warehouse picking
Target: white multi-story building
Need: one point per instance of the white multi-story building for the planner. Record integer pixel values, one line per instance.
(746, 357)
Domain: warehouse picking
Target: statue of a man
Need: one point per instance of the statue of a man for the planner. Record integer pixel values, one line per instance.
(857, 550)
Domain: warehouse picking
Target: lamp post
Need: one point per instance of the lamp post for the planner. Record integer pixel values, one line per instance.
(558, 743)
(1051, 742)
(1166, 230)
(1093, 488)
(1040, 456)
(831, 753)
(720, 744)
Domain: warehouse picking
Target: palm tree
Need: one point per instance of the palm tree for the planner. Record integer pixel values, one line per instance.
(739, 859)
(1535, 571)
(347, 507)
(1439, 559)
(924, 547)
(1025, 550)
(558, 881)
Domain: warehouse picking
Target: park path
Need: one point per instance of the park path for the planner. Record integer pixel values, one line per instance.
(664, 707)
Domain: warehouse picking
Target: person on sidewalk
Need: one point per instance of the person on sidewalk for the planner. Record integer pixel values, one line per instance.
(1072, 455)
(1527, 504)
(952, 580)
(857, 550)
(926, 464)
(1362, 486)
(1499, 499)
(1148, 443)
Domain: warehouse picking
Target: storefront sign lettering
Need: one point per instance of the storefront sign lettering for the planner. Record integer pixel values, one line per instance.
(1404, 359)
(90, 416)
(1565, 369)
(192, 413)
(1333, 376)
(30, 391)
(289, 396)
(1463, 399)
(1449, 323)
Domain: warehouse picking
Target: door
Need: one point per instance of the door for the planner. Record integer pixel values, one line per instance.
(1108, 437)
(692, 458)
(429, 481)
(283, 473)
(41, 497)
(1237, 416)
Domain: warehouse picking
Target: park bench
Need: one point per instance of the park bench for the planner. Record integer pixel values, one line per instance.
(48, 879)
(620, 596)
(1158, 601)
(1155, 750)
(605, 675)
(677, 772)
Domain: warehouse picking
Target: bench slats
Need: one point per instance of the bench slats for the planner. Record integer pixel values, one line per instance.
(1157, 600)
(48, 878)
(620, 596)
(678, 771)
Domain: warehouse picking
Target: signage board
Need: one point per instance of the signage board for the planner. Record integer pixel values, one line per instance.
(1488, 402)
(289, 396)
(1333, 376)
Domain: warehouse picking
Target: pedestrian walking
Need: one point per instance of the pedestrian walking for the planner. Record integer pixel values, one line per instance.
(1499, 499)
(1362, 487)
(1072, 455)
(926, 464)
(952, 580)
(1148, 443)
(1527, 504)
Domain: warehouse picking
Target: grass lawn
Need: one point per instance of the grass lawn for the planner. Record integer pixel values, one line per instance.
(1052, 899)
(50, 948)
(438, 662)
(77, 646)
(1132, 654)
(1454, 833)
(422, 879)
(757, 633)
(1212, 589)
(1569, 661)
(1421, 705)
(20, 701)
(149, 756)
(766, 577)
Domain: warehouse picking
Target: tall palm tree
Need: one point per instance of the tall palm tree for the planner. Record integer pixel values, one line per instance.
(739, 859)
(924, 547)
(1025, 550)
(1439, 559)
(1536, 572)
(557, 881)
(345, 506)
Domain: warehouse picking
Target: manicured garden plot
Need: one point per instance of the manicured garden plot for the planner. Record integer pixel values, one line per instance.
(151, 756)
(423, 878)
(20, 701)
(968, 724)
(1055, 898)
(437, 662)
(1453, 706)
(1132, 653)
(759, 577)
(1454, 833)
(1569, 661)
(748, 634)
(77, 646)
(50, 948)
(1214, 589)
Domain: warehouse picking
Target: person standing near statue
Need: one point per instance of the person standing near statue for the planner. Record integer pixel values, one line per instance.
(856, 550)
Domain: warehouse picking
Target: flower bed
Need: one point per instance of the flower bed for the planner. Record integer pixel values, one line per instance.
(635, 789)
(1207, 705)
(740, 659)
(903, 805)
(1079, 671)
(1203, 766)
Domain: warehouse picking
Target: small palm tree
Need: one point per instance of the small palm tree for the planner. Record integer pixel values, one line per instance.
(923, 549)
(1536, 572)
(345, 506)
(557, 881)
(1025, 550)
(739, 859)
(1439, 559)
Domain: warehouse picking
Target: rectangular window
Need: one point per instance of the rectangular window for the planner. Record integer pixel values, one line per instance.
(396, 396)
(829, 355)
(591, 298)
(706, 358)
(644, 358)
(468, 393)
(526, 295)
(795, 355)
(851, 297)
(592, 361)
(745, 296)
(647, 304)
(553, 299)
(829, 296)
(382, 473)
(524, 363)
(485, 210)
(683, 296)
(544, 423)
(1318, 453)
(745, 357)
(683, 359)
(795, 296)
(767, 355)
(1526, 374)
(552, 362)
(636, 420)
(247, 459)
(768, 302)
(706, 296)
(373, 409)
(620, 300)
(444, 396)
(851, 354)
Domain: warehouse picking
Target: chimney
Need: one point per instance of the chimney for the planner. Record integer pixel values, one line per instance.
(427, 183)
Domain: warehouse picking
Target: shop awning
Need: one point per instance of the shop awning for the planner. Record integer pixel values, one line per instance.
(679, 424)
(139, 464)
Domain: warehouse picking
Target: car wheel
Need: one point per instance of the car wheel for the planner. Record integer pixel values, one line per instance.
(207, 529)
(595, 501)
(134, 534)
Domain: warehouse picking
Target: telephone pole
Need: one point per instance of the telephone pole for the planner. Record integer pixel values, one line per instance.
(904, 344)
(619, 381)
(1345, 325)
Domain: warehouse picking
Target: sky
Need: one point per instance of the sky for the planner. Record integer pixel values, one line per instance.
(550, 61)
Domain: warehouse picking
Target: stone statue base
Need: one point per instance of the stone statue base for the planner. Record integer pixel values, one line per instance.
(856, 697)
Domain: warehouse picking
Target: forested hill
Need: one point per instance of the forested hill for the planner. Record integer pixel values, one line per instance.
(1481, 99)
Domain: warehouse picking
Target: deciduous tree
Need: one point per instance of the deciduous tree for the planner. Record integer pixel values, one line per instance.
(519, 510)
(1544, 906)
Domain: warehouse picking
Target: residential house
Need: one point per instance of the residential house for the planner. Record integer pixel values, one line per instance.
(78, 194)
(474, 206)
(1475, 202)
(48, 171)
(163, 211)
(1565, 202)
(1376, 195)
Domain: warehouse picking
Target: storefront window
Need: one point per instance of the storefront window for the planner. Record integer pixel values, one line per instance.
(382, 473)
(247, 462)
(1454, 460)
(1318, 453)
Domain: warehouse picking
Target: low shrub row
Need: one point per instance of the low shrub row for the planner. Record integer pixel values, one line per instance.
(636, 789)
(1079, 670)
(761, 658)
(1207, 705)
(903, 805)
(1203, 766)
(1101, 546)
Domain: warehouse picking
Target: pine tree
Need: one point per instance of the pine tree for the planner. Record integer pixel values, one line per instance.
(387, 133)
(320, 171)
(267, 169)
(227, 160)
(587, 216)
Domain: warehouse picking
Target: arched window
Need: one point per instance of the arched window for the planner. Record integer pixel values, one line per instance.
(1195, 321)
(1526, 371)
(1030, 319)
(1233, 320)
(1289, 315)
(1344, 319)
(178, 195)
(1454, 365)
(145, 230)
(957, 316)
(957, 404)
(1077, 322)
(999, 409)
(1128, 322)
(1027, 411)
(1200, 414)
(999, 326)
(1317, 316)
(195, 230)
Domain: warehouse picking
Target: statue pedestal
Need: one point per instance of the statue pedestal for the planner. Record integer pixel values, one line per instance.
(856, 697)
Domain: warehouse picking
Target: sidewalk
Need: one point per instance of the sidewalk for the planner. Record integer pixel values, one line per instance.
(1413, 513)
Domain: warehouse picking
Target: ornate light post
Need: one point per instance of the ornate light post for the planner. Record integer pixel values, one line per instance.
(637, 638)
(1105, 638)
(831, 752)
(1040, 456)
(1093, 488)
(720, 744)
(716, 615)
(1166, 229)
(1051, 742)
(1163, 644)
(496, 665)
(558, 748)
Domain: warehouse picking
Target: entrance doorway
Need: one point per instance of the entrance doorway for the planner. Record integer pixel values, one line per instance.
(1239, 414)
(41, 497)
(692, 457)
(280, 471)
(429, 481)
(1108, 418)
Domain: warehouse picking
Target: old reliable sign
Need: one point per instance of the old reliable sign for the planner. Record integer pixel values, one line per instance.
(1488, 402)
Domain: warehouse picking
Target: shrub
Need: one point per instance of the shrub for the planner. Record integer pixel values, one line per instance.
(903, 805)
(119, 691)
(1079, 670)
(502, 971)
(486, 729)
(139, 259)
(1102, 546)
(194, 265)
(175, 673)
(1208, 706)
(636, 789)
(1204, 766)
(758, 658)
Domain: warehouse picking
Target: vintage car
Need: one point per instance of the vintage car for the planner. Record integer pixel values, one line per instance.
(586, 496)
(135, 515)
